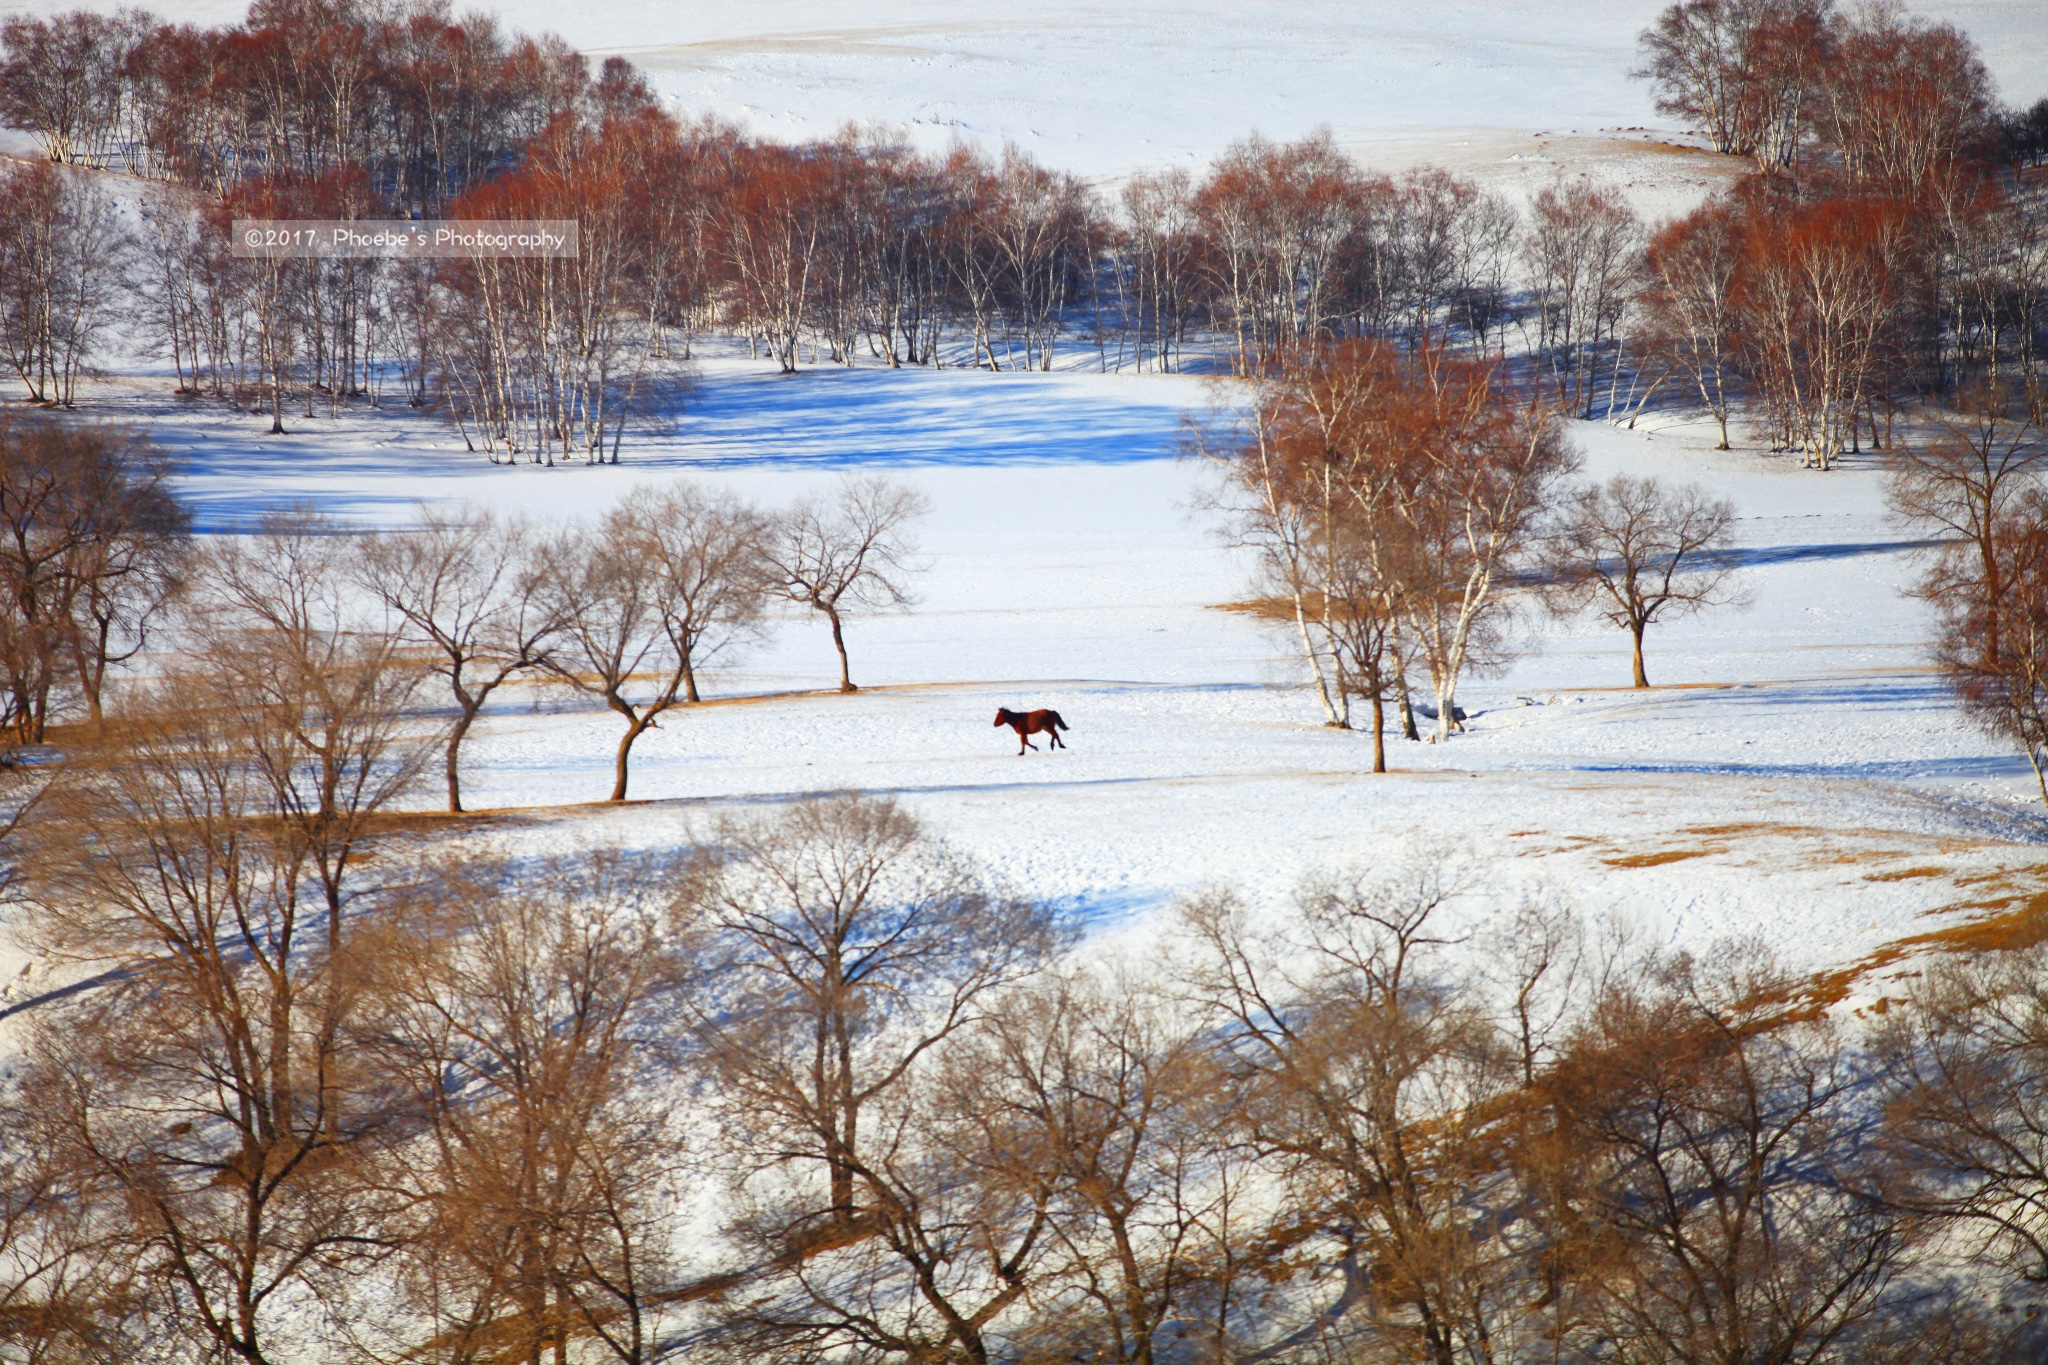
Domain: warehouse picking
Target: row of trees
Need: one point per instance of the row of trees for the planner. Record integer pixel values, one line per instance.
(423, 103)
(1881, 94)
(818, 1087)
(1395, 500)
(630, 609)
(1876, 258)
(1889, 252)
(344, 631)
(1815, 302)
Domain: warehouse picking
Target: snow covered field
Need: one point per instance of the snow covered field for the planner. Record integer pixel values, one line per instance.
(1106, 89)
(1799, 775)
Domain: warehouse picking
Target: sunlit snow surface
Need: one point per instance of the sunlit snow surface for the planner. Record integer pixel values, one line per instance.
(1799, 776)
(1104, 89)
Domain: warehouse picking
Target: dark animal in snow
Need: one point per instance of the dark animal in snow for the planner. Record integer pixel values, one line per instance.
(1028, 723)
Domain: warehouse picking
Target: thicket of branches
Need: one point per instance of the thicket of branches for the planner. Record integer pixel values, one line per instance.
(818, 1087)
(96, 564)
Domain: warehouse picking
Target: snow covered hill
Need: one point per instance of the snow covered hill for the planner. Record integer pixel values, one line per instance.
(1107, 89)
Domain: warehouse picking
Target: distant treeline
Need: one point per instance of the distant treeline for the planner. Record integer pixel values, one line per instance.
(1891, 242)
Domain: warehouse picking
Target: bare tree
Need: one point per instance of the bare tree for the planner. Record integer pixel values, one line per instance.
(1966, 1111)
(1640, 552)
(851, 550)
(470, 589)
(62, 81)
(941, 1264)
(613, 628)
(1689, 302)
(712, 552)
(1907, 103)
(851, 943)
(2006, 689)
(1821, 291)
(1964, 485)
(1584, 254)
(1538, 963)
(321, 683)
(63, 1297)
(1748, 73)
(1733, 1210)
(1372, 574)
(667, 580)
(518, 1008)
(91, 543)
(849, 947)
(1476, 469)
(1693, 53)
(203, 1094)
(63, 262)
(1372, 1084)
(1098, 1081)
(1283, 518)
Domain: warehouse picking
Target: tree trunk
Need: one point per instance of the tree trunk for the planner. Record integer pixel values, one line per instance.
(1642, 679)
(839, 643)
(1379, 737)
(455, 735)
(1334, 717)
(635, 726)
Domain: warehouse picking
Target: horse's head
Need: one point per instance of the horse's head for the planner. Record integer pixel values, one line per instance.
(1002, 715)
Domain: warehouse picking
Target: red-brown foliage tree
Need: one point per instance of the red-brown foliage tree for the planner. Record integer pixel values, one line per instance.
(1820, 295)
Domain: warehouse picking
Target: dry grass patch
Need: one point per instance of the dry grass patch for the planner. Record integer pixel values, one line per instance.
(1756, 828)
(1674, 855)
(2022, 923)
(1905, 874)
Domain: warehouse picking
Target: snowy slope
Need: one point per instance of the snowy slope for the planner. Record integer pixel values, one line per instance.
(1106, 89)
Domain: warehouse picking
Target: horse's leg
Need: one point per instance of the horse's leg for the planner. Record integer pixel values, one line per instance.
(1055, 738)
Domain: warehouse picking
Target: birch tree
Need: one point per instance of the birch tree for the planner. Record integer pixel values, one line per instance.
(1473, 468)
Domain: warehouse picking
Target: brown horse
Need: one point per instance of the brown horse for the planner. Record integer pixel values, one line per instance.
(1027, 723)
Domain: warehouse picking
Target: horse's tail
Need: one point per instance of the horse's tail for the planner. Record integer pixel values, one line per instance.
(1057, 721)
